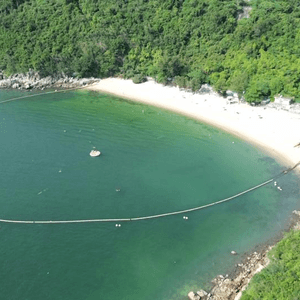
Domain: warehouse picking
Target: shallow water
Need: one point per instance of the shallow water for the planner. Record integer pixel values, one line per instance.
(161, 162)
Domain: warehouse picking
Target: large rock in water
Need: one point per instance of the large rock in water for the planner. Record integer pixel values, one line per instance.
(193, 296)
(197, 296)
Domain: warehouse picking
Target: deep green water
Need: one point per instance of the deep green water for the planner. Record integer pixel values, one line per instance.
(162, 162)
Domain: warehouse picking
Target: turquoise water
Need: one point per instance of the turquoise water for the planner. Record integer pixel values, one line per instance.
(161, 162)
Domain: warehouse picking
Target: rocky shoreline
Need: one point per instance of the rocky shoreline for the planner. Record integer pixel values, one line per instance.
(230, 287)
(33, 80)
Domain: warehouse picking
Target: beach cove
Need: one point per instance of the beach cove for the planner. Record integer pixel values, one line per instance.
(153, 161)
(274, 130)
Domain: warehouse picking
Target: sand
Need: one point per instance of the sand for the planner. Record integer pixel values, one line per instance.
(274, 131)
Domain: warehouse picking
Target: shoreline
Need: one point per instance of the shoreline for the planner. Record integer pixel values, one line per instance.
(274, 131)
(232, 285)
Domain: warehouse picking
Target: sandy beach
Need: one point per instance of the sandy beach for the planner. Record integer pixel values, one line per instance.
(275, 131)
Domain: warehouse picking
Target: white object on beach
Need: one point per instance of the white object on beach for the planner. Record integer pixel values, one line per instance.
(95, 153)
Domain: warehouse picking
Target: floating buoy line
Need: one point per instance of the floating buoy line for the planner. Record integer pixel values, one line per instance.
(153, 216)
(145, 217)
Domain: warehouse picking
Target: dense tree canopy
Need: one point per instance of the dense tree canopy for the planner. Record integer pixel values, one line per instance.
(187, 41)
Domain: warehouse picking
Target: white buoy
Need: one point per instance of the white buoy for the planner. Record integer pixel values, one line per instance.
(116, 225)
(95, 153)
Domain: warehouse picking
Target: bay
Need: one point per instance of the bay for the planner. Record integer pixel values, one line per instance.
(161, 162)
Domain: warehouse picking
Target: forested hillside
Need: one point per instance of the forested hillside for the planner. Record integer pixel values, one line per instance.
(280, 280)
(187, 41)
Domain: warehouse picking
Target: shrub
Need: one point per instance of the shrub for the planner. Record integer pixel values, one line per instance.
(139, 78)
(180, 81)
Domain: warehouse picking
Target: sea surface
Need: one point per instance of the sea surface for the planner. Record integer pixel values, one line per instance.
(160, 162)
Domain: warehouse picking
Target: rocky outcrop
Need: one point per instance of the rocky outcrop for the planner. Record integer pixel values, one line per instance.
(198, 295)
(33, 80)
(245, 13)
(206, 89)
(231, 287)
